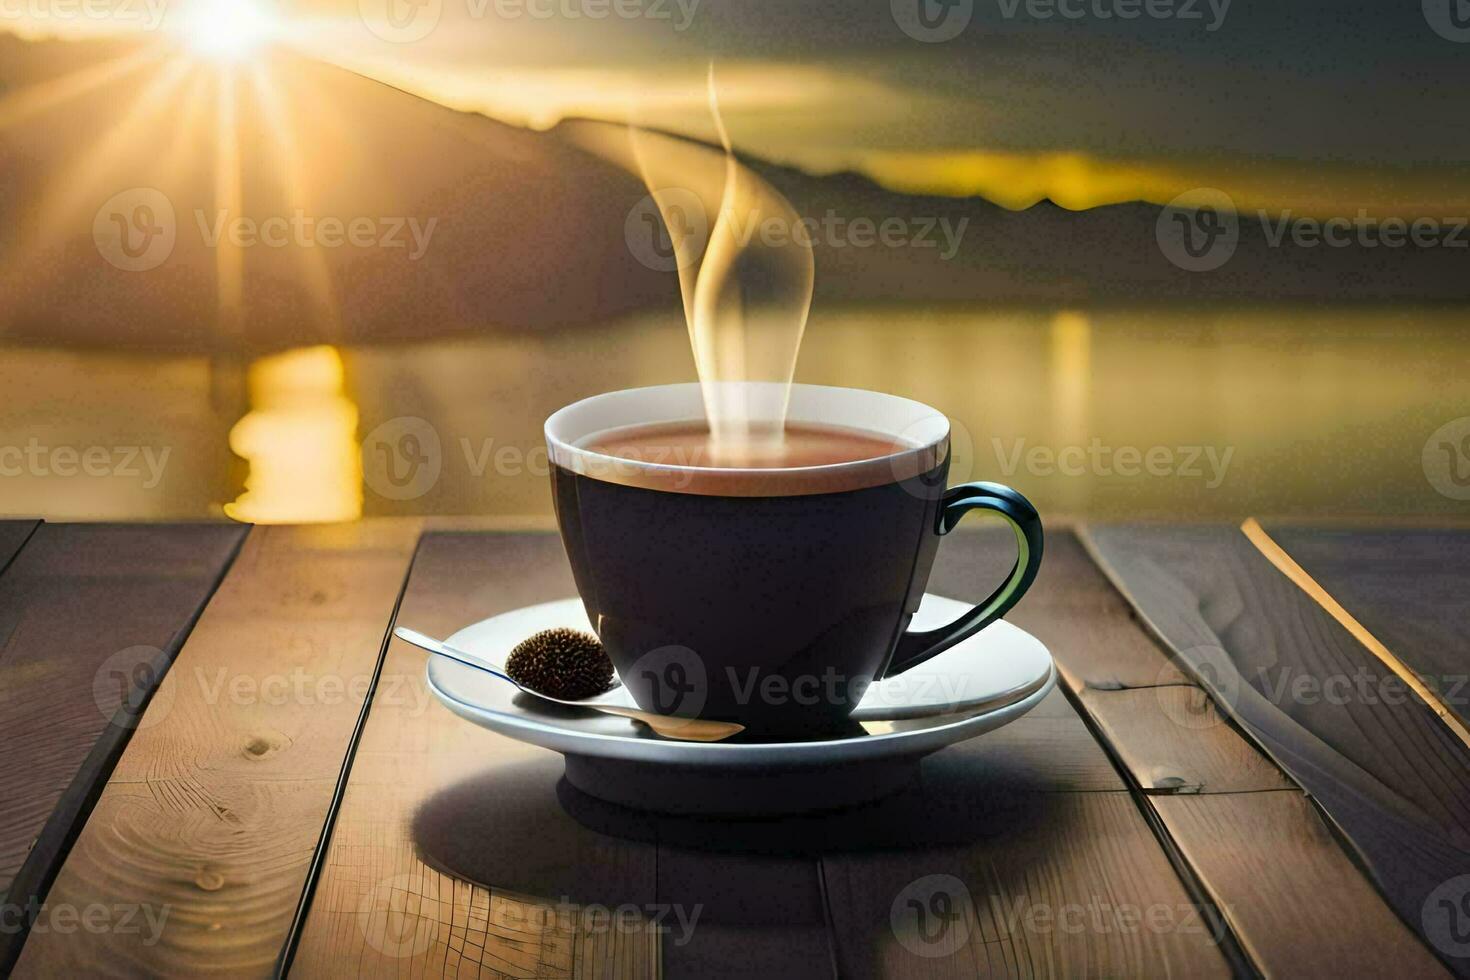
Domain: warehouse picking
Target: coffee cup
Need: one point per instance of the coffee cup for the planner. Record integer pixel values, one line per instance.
(768, 595)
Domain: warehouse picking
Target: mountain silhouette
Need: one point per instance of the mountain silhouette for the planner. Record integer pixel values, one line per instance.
(104, 146)
(526, 233)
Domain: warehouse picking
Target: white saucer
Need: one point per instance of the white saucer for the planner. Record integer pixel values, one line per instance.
(972, 688)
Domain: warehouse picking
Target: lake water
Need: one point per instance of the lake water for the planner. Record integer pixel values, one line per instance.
(1102, 414)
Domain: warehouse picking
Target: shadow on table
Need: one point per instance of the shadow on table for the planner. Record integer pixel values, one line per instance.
(518, 827)
(755, 884)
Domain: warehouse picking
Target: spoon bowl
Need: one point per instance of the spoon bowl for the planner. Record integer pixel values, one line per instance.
(612, 701)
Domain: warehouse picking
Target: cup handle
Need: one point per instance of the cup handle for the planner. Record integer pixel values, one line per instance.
(915, 647)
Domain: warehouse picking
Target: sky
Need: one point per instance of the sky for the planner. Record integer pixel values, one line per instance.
(1322, 107)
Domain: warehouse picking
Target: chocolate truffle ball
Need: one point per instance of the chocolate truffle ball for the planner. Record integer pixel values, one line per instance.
(562, 663)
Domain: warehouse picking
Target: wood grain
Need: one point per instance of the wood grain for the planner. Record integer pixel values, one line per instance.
(1322, 918)
(210, 820)
(1390, 775)
(1018, 830)
(1050, 884)
(1172, 740)
(90, 617)
(1409, 587)
(495, 877)
(1167, 734)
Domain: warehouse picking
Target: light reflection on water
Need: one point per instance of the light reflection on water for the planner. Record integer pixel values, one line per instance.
(300, 441)
(1107, 414)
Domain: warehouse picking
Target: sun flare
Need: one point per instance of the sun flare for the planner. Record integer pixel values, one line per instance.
(228, 30)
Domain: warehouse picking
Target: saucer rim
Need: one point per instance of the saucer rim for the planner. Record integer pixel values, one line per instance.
(970, 720)
(864, 711)
(787, 754)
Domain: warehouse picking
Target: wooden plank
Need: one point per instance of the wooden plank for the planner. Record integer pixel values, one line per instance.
(972, 561)
(1061, 884)
(1072, 608)
(1169, 738)
(760, 915)
(1047, 750)
(1391, 776)
(13, 536)
(1163, 728)
(90, 617)
(208, 825)
(1407, 586)
(1172, 740)
(1321, 917)
(1033, 847)
(436, 806)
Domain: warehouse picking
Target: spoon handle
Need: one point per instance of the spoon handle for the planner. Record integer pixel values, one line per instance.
(445, 650)
(684, 729)
(670, 726)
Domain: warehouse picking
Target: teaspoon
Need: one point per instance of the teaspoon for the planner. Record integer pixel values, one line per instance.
(667, 726)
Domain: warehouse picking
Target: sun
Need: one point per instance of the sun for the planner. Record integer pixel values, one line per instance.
(227, 30)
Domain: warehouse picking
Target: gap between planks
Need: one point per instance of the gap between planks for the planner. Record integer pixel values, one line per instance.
(1329, 896)
(218, 802)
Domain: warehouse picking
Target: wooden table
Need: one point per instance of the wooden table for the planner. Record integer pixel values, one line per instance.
(1235, 776)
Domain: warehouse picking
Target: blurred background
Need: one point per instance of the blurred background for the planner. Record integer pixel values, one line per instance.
(326, 259)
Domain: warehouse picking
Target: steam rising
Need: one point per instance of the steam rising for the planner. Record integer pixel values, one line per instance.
(745, 277)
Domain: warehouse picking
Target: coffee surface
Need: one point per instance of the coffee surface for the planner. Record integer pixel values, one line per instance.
(690, 444)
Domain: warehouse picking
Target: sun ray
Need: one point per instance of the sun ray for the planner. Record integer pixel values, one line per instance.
(75, 187)
(21, 105)
(229, 258)
(281, 128)
(60, 210)
(185, 145)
